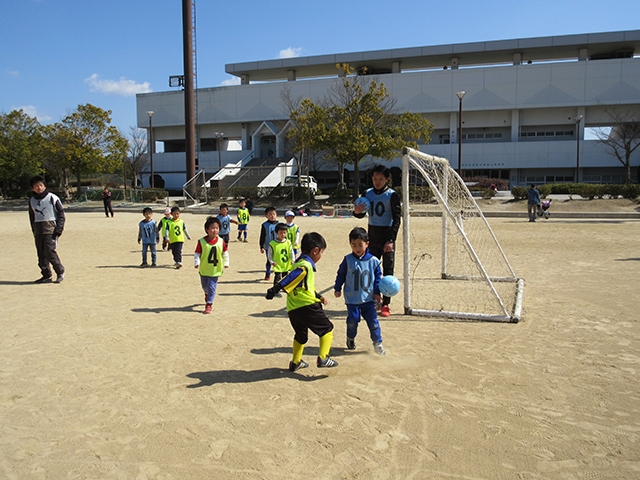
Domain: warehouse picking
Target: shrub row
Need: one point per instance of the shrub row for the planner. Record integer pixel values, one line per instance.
(585, 190)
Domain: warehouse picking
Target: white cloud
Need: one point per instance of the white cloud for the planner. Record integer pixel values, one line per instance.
(230, 81)
(123, 87)
(13, 73)
(33, 112)
(290, 52)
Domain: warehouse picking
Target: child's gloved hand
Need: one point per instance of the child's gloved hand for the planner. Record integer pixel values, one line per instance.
(270, 294)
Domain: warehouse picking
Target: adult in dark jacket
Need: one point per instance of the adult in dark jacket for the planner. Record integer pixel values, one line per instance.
(46, 215)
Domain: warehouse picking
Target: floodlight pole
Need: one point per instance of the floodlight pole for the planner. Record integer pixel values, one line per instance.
(189, 88)
(460, 95)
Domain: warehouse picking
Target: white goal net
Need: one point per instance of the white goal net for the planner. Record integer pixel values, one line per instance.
(454, 266)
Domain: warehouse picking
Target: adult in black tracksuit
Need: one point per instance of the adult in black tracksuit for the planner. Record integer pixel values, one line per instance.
(385, 213)
(46, 215)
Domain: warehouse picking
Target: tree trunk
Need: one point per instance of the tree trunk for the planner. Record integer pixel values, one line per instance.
(356, 180)
(65, 185)
(79, 184)
(342, 187)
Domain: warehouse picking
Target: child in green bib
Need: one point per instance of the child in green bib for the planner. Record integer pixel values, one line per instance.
(210, 258)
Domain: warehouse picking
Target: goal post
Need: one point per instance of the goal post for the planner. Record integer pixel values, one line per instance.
(454, 266)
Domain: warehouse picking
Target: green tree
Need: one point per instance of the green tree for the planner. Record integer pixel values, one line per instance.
(622, 139)
(84, 143)
(357, 119)
(20, 150)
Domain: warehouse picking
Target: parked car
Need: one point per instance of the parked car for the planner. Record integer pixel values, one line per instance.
(305, 181)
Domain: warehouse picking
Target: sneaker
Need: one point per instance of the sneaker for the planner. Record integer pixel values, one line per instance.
(351, 343)
(178, 265)
(60, 278)
(267, 279)
(154, 265)
(144, 264)
(385, 311)
(245, 240)
(43, 280)
(207, 309)
(297, 366)
(326, 363)
(378, 348)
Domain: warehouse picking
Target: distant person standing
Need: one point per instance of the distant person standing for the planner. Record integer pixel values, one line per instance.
(106, 200)
(249, 203)
(533, 200)
(46, 215)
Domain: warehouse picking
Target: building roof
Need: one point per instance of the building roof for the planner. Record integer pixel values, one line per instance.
(591, 46)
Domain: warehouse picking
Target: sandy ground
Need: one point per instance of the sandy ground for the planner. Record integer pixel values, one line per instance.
(116, 373)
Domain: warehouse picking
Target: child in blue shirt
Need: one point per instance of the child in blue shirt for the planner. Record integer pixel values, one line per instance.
(268, 233)
(149, 236)
(360, 275)
(225, 222)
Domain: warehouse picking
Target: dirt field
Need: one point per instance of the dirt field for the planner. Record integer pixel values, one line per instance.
(116, 373)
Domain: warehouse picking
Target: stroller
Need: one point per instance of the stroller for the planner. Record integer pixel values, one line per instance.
(543, 209)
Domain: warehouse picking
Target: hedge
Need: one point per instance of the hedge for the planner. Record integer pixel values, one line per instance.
(585, 190)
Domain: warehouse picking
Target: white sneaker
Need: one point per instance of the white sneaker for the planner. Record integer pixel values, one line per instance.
(60, 278)
(379, 349)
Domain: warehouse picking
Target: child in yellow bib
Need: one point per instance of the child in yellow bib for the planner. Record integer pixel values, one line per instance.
(210, 258)
(304, 304)
(280, 253)
(177, 230)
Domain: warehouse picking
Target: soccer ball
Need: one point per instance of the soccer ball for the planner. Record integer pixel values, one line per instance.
(362, 202)
(389, 286)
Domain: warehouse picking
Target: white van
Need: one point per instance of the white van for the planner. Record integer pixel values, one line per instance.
(306, 181)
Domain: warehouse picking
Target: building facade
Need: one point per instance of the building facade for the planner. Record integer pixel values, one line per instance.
(526, 105)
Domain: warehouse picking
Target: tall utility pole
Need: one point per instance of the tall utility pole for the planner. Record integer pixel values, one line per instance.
(460, 95)
(189, 97)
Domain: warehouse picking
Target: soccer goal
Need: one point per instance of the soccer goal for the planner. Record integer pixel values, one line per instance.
(454, 266)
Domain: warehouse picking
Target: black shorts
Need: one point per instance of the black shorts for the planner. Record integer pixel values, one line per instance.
(310, 317)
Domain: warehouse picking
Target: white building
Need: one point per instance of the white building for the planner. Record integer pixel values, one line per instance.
(525, 100)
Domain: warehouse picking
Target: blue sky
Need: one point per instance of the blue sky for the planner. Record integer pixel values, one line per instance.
(57, 54)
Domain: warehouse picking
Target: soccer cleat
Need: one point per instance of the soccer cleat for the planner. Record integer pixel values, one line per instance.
(154, 265)
(378, 348)
(385, 311)
(207, 309)
(297, 366)
(43, 280)
(326, 362)
(351, 343)
(60, 278)
(144, 264)
(178, 265)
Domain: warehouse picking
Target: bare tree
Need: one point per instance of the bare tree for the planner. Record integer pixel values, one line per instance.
(139, 158)
(623, 137)
(295, 145)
